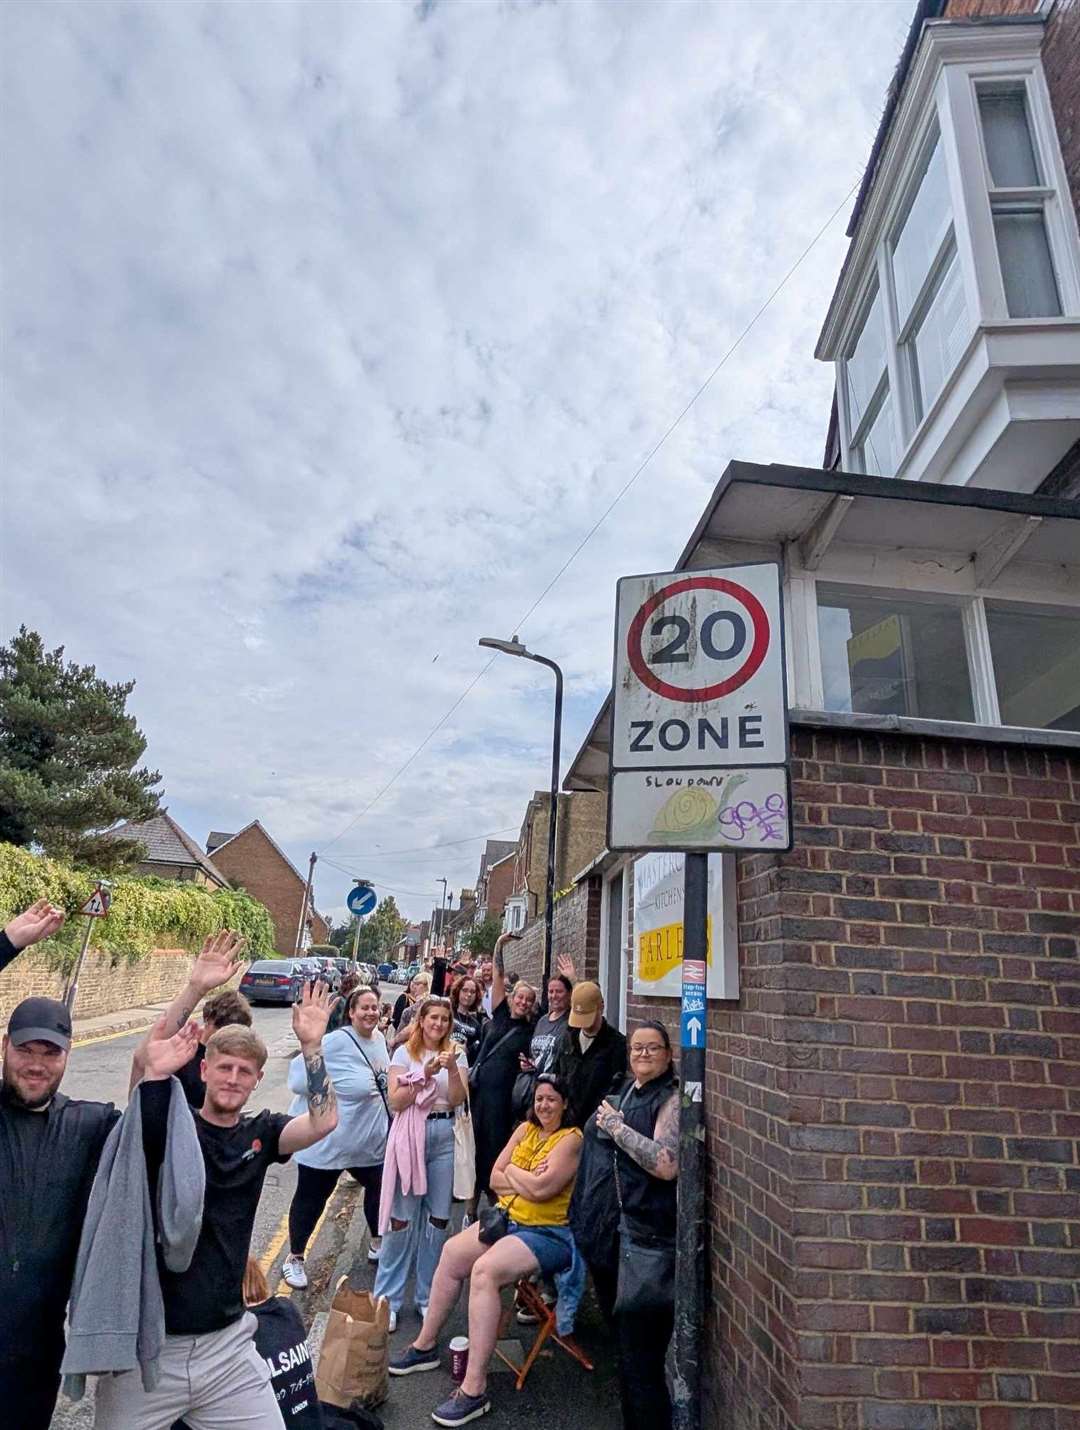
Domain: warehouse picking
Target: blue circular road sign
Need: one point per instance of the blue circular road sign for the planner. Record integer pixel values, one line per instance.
(361, 900)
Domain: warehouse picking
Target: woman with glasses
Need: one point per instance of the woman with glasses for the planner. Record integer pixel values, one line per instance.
(469, 1015)
(534, 1177)
(427, 1081)
(623, 1216)
(357, 1060)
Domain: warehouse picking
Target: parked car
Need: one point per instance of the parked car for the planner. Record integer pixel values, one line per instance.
(328, 970)
(273, 980)
(386, 972)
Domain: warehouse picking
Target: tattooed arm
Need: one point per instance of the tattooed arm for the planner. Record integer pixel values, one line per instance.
(498, 970)
(659, 1155)
(309, 1024)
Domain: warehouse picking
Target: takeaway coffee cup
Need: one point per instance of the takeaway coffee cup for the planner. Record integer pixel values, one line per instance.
(459, 1358)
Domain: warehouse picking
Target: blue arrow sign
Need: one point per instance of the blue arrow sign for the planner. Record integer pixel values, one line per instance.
(361, 900)
(692, 1030)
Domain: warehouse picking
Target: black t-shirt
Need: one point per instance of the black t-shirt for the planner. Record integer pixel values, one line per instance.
(209, 1294)
(190, 1079)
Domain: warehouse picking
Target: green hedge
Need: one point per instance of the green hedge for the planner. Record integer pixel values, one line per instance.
(146, 913)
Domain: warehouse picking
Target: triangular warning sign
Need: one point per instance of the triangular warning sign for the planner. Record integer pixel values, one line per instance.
(97, 905)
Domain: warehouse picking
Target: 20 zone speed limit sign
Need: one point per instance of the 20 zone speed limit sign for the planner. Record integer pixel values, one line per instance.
(699, 670)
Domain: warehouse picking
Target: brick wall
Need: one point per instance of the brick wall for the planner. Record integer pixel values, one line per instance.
(1061, 63)
(894, 1181)
(251, 862)
(102, 987)
(575, 930)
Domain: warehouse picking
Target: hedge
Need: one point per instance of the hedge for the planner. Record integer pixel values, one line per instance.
(146, 912)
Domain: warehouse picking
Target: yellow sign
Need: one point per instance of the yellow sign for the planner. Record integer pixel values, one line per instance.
(660, 951)
(875, 643)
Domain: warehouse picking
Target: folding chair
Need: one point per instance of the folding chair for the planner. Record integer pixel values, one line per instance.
(529, 1298)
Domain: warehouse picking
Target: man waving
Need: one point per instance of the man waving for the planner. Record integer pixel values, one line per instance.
(209, 1369)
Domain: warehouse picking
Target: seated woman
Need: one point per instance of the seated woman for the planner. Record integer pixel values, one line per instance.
(534, 1178)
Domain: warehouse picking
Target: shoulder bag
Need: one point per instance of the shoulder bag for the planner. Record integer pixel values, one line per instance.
(381, 1078)
(646, 1275)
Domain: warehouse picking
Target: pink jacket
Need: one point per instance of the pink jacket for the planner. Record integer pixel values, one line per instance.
(404, 1162)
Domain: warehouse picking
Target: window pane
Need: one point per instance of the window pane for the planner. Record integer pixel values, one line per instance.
(878, 450)
(882, 655)
(921, 236)
(940, 337)
(1008, 139)
(1026, 269)
(866, 364)
(1036, 667)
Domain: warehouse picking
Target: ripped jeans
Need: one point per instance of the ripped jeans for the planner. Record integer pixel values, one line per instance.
(420, 1241)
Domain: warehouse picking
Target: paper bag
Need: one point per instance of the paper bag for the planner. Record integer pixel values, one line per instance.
(355, 1350)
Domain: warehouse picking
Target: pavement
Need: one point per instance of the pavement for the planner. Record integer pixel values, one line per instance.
(558, 1391)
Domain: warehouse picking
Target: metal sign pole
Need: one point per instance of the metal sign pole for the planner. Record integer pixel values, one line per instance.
(355, 944)
(73, 981)
(690, 1234)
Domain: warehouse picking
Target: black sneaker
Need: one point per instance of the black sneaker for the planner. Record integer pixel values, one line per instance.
(460, 1408)
(412, 1360)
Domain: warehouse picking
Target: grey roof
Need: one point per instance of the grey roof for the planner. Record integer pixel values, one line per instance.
(167, 843)
(494, 850)
(216, 838)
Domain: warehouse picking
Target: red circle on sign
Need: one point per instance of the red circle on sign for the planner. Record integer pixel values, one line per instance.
(758, 647)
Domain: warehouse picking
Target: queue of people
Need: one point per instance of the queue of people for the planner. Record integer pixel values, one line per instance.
(573, 1162)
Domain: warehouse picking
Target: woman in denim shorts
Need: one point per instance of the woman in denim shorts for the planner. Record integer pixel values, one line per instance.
(534, 1178)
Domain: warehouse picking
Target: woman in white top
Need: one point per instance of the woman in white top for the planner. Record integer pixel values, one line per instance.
(358, 1062)
(428, 1080)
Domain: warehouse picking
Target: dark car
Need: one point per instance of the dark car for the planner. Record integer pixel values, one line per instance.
(386, 972)
(273, 980)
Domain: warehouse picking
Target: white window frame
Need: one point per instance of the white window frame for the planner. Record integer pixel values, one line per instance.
(801, 597)
(944, 97)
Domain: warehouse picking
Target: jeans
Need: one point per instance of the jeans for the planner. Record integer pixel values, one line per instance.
(314, 1186)
(419, 1242)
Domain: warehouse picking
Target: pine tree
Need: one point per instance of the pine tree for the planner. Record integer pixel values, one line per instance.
(68, 750)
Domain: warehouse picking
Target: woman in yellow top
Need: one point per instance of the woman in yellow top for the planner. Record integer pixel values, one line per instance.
(534, 1178)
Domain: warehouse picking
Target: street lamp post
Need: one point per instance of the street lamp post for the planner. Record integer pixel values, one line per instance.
(515, 647)
(442, 909)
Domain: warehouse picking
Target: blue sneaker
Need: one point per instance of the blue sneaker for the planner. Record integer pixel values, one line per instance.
(412, 1360)
(460, 1408)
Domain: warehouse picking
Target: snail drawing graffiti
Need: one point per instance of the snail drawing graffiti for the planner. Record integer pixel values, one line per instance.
(692, 813)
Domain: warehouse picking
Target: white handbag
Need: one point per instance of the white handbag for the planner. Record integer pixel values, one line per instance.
(464, 1154)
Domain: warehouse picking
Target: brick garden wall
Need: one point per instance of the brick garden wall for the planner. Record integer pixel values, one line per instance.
(102, 988)
(894, 1182)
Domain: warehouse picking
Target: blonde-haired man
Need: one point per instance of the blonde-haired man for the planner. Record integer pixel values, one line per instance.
(209, 1369)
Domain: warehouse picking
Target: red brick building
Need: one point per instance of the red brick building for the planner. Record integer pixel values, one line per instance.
(251, 860)
(893, 1095)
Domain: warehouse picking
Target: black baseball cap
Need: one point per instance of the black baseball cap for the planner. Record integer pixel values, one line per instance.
(40, 1020)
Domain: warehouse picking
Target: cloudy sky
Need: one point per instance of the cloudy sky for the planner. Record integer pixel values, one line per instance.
(330, 329)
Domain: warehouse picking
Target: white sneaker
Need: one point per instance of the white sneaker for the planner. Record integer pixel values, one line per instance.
(421, 1311)
(374, 1248)
(392, 1327)
(292, 1269)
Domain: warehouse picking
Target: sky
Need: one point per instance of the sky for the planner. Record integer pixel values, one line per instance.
(330, 330)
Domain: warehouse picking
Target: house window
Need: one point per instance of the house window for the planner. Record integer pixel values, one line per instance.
(1018, 197)
(869, 402)
(1036, 656)
(886, 655)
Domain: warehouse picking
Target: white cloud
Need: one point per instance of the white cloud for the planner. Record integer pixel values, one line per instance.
(331, 329)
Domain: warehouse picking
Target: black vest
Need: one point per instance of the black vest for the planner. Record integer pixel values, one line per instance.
(648, 1203)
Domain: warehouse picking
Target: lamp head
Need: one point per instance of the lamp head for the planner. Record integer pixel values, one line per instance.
(510, 647)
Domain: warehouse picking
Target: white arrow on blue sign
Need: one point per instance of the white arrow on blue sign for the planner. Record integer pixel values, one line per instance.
(692, 1025)
(361, 900)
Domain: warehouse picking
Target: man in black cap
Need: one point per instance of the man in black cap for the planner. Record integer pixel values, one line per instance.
(49, 1149)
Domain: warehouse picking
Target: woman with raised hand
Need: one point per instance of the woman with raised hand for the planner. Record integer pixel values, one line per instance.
(427, 1082)
(358, 1062)
(469, 1015)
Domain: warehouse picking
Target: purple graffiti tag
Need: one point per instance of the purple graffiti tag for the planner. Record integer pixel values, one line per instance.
(740, 819)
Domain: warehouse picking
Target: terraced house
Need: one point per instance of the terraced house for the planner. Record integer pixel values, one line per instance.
(893, 1076)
